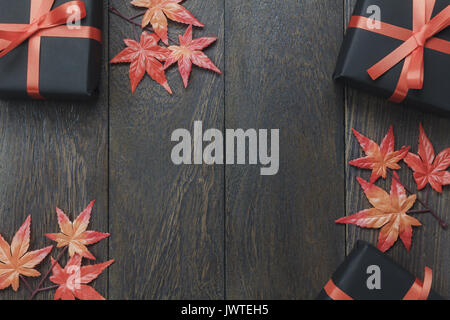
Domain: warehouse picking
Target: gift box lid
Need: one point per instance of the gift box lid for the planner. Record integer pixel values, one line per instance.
(68, 66)
(363, 48)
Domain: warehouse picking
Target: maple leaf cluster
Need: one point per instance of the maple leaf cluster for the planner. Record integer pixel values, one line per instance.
(390, 211)
(146, 56)
(16, 263)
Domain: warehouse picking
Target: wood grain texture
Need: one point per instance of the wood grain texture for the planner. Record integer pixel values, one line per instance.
(167, 220)
(372, 116)
(214, 232)
(54, 154)
(281, 242)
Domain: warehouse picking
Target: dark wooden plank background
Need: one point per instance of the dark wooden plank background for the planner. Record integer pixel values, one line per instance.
(215, 232)
(278, 228)
(167, 220)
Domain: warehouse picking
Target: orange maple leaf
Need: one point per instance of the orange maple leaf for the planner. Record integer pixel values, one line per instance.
(427, 167)
(73, 279)
(157, 12)
(379, 158)
(75, 235)
(16, 261)
(143, 57)
(188, 53)
(389, 213)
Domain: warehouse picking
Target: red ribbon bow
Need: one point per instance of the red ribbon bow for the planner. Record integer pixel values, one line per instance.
(44, 22)
(418, 291)
(412, 50)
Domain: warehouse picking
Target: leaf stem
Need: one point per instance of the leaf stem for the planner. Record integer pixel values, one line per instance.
(48, 288)
(26, 283)
(134, 31)
(46, 275)
(442, 223)
(417, 211)
(136, 16)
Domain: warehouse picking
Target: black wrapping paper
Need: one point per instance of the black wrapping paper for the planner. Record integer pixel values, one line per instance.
(362, 49)
(351, 276)
(69, 67)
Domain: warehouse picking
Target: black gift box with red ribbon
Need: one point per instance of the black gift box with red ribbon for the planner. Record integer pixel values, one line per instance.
(59, 52)
(424, 82)
(369, 274)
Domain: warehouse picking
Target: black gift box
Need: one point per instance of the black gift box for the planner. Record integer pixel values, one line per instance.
(69, 67)
(362, 49)
(351, 276)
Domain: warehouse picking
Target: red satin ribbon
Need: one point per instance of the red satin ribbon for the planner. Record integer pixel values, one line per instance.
(335, 293)
(44, 22)
(418, 291)
(412, 50)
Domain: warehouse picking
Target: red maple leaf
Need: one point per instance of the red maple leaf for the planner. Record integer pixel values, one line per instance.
(157, 12)
(15, 261)
(144, 57)
(427, 167)
(188, 53)
(75, 235)
(389, 213)
(73, 279)
(379, 158)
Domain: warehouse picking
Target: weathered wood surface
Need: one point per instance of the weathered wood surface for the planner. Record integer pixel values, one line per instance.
(215, 232)
(166, 220)
(279, 59)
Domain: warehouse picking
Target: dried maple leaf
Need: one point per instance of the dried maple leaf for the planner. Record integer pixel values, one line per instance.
(188, 53)
(379, 158)
(75, 235)
(144, 57)
(389, 213)
(73, 279)
(157, 12)
(428, 168)
(16, 261)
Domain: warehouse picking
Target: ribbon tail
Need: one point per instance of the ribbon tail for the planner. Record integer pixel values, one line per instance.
(401, 91)
(426, 288)
(7, 37)
(335, 293)
(419, 290)
(17, 42)
(40, 7)
(429, 8)
(392, 59)
(416, 69)
(4, 44)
